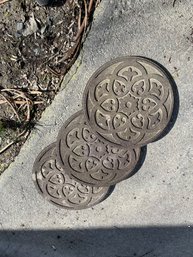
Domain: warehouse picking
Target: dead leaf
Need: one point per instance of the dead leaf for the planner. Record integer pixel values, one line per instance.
(31, 26)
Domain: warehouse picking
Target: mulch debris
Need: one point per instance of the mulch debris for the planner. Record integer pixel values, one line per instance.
(38, 46)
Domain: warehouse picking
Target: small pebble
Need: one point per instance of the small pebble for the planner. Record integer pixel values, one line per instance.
(19, 26)
(53, 247)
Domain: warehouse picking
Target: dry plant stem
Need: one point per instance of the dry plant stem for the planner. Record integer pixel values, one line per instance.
(35, 92)
(24, 102)
(14, 141)
(80, 30)
(20, 102)
(12, 90)
(6, 147)
(19, 94)
(87, 13)
(12, 107)
(3, 102)
(75, 54)
(19, 98)
(28, 110)
(90, 6)
(3, 1)
(79, 19)
(21, 106)
(55, 73)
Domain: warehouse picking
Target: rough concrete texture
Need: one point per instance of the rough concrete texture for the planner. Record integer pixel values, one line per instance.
(151, 213)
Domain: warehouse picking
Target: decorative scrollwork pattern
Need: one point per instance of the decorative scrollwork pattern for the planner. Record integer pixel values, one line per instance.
(129, 101)
(89, 159)
(56, 186)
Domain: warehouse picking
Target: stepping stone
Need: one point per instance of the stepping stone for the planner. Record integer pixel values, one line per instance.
(129, 101)
(91, 160)
(55, 186)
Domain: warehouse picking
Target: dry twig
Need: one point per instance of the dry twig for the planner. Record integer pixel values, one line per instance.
(79, 18)
(174, 2)
(11, 105)
(90, 6)
(85, 20)
(21, 99)
(23, 133)
(3, 1)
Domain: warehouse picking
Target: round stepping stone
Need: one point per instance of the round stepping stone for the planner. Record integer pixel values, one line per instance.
(90, 160)
(129, 101)
(54, 184)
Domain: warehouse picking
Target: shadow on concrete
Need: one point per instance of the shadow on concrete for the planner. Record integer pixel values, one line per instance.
(140, 162)
(176, 102)
(99, 242)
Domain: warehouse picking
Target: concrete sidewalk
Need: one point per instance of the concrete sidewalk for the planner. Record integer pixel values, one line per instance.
(151, 213)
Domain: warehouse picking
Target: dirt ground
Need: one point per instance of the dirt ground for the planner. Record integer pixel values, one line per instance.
(38, 45)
